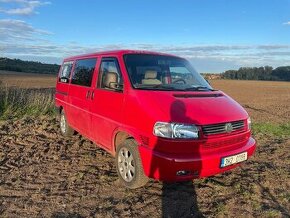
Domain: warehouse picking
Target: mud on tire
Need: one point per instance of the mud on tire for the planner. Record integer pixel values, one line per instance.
(129, 165)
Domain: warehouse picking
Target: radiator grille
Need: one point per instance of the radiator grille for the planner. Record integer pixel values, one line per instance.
(223, 128)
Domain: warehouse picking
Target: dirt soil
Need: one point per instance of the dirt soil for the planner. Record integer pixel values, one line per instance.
(265, 101)
(27, 80)
(45, 175)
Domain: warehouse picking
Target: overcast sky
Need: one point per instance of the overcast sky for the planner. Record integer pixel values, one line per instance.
(216, 35)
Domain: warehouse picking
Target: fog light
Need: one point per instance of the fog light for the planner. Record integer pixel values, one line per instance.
(182, 173)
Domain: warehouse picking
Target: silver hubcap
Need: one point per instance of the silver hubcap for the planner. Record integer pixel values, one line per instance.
(126, 164)
(62, 123)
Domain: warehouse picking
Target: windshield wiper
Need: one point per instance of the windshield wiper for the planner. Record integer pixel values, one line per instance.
(157, 87)
(198, 88)
(168, 87)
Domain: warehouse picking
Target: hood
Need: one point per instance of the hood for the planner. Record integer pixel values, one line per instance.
(200, 108)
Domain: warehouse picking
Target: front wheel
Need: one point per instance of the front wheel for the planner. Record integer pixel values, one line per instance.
(65, 128)
(129, 165)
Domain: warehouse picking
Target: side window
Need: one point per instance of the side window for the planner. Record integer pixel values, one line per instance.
(65, 72)
(84, 71)
(110, 75)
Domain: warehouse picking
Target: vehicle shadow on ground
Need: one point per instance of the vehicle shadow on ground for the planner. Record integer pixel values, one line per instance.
(179, 200)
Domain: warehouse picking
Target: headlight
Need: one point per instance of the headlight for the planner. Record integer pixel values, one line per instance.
(249, 122)
(175, 130)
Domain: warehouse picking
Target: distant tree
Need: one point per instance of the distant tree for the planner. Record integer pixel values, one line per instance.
(258, 73)
(282, 73)
(27, 66)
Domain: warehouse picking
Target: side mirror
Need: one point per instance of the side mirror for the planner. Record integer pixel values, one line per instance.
(63, 80)
(116, 86)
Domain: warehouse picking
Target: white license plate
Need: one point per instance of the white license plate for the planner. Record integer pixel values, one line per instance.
(227, 161)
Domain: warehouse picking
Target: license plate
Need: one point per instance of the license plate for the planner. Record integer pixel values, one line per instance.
(230, 160)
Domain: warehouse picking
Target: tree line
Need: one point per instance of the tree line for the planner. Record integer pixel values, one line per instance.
(27, 66)
(258, 73)
(244, 73)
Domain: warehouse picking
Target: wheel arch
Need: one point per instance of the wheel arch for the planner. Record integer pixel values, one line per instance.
(120, 136)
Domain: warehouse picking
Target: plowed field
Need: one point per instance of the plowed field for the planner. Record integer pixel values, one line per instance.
(43, 174)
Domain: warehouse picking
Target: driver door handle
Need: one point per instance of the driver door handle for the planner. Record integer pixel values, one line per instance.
(88, 94)
(92, 95)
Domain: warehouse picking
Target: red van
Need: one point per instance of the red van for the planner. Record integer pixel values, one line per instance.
(154, 113)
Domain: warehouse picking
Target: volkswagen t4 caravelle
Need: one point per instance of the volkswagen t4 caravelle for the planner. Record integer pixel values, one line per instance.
(154, 113)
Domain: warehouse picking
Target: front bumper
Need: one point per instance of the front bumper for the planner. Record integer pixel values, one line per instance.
(165, 166)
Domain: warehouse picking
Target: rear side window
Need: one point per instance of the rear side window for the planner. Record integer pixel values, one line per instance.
(65, 72)
(84, 71)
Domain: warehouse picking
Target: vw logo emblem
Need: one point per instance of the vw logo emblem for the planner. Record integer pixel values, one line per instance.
(228, 127)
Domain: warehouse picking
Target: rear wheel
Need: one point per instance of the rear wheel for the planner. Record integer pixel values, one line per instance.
(65, 128)
(129, 165)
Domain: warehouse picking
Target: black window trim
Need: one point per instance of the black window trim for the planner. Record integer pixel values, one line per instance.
(100, 74)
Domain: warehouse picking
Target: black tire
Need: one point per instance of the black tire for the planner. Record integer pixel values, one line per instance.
(138, 178)
(65, 128)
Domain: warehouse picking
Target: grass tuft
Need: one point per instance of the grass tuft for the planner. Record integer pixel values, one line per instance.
(274, 130)
(18, 102)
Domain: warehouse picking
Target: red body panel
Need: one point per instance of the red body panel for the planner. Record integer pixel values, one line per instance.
(103, 113)
(107, 117)
(78, 109)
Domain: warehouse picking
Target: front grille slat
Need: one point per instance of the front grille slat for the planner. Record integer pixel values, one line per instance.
(214, 127)
(238, 124)
(213, 131)
(237, 127)
(221, 128)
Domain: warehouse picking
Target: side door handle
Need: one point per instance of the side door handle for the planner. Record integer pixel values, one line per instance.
(88, 94)
(92, 95)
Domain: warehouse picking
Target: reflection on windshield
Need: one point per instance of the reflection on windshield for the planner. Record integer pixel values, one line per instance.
(159, 72)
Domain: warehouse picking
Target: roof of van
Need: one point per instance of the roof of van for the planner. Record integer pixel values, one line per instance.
(116, 52)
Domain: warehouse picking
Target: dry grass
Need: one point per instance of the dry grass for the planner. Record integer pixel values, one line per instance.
(27, 80)
(17, 102)
(26, 94)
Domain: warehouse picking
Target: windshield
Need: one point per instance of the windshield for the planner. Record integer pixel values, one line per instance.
(159, 72)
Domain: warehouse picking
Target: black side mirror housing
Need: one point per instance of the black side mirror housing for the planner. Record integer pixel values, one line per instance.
(63, 79)
(116, 86)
